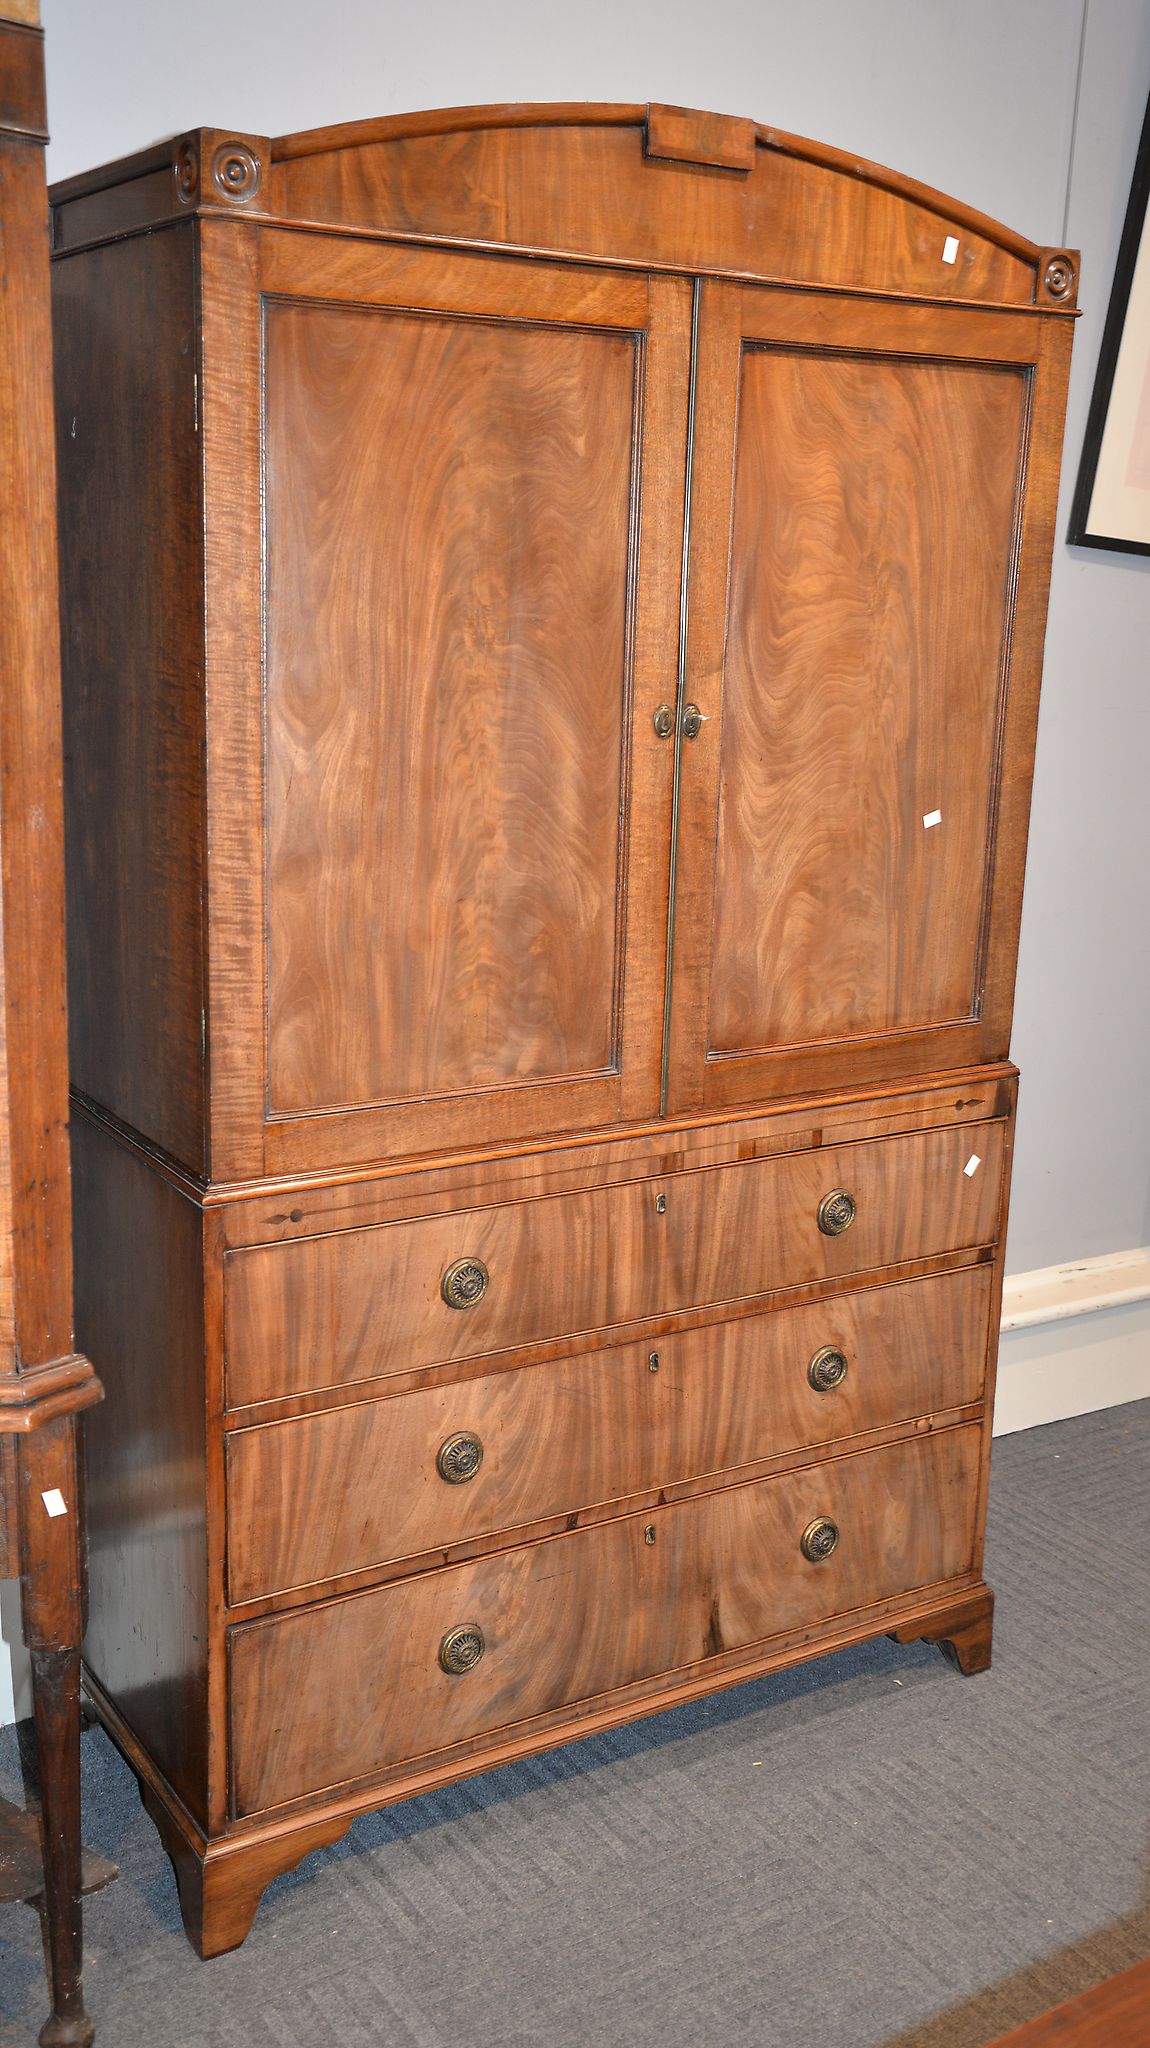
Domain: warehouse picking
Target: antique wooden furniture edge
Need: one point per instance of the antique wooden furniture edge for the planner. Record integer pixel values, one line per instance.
(258, 1268)
(44, 1381)
(219, 171)
(32, 1399)
(23, 109)
(568, 114)
(222, 1879)
(655, 1134)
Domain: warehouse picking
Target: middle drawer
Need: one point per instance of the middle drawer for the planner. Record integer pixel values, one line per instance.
(354, 1487)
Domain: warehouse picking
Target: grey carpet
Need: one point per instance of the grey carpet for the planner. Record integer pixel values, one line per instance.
(868, 1850)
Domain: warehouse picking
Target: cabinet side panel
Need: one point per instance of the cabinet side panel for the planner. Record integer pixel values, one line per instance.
(139, 1276)
(131, 584)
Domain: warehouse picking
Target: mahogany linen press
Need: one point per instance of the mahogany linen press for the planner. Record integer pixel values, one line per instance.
(553, 610)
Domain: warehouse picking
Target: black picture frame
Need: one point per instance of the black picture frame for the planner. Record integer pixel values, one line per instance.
(1080, 533)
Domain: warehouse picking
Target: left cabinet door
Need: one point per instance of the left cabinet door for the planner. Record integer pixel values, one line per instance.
(443, 511)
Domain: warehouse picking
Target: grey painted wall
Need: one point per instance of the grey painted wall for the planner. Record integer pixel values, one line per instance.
(978, 100)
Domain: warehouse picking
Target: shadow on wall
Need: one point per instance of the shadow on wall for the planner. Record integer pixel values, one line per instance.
(14, 1706)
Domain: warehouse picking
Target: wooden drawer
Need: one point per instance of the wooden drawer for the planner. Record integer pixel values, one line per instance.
(358, 1486)
(357, 1684)
(324, 1311)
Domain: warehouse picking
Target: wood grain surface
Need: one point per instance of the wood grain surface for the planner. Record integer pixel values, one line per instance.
(578, 177)
(354, 1486)
(591, 187)
(382, 865)
(429, 894)
(23, 114)
(139, 1312)
(43, 1381)
(448, 543)
(850, 654)
(872, 551)
(579, 1614)
(1115, 2014)
(360, 1303)
(125, 355)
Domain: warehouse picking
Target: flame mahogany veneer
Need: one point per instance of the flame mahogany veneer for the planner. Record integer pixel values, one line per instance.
(554, 602)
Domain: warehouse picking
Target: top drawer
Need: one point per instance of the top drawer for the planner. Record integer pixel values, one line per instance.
(360, 1304)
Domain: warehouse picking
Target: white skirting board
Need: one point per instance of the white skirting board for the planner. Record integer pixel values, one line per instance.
(1074, 1338)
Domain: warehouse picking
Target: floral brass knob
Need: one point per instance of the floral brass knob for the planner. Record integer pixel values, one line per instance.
(461, 1649)
(819, 1538)
(464, 1283)
(827, 1369)
(459, 1457)
(837, 1212)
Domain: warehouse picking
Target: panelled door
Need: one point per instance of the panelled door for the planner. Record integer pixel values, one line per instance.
(441, 811)
(854, 798)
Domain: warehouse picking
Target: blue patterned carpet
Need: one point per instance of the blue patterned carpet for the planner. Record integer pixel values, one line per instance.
(869, 1852)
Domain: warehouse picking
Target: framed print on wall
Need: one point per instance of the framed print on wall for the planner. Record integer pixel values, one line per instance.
(1112, 501)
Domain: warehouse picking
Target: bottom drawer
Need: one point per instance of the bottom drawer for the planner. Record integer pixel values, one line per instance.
(344, 1690)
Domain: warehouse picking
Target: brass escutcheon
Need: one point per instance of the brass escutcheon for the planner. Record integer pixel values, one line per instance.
(461, 1649)
(827, 1369)
(465, 1283)
(837, 1212)
(664, 721)
(649, 1533)
(819, 1538)
(459, 1457)
(692, 721)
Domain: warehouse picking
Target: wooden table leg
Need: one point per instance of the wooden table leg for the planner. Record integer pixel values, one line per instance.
(56, 1712)
(50, 1550)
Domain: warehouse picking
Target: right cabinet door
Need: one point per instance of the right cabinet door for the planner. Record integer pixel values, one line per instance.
(870, 535)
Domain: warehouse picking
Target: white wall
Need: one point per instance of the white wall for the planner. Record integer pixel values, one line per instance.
(979, 100)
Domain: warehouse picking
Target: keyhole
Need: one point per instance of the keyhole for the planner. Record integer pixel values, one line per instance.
(660, 1205)
(653, 1361)
(649, 1533)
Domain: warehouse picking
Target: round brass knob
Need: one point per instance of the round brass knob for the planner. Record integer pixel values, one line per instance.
(827, 1369)
(461, 1649)
(459, 1457)
(819, 1538)
(464, 1283)
(837, 1212)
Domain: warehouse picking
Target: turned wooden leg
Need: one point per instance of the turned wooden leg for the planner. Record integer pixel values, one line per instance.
(963, 1633)
(56, 1715)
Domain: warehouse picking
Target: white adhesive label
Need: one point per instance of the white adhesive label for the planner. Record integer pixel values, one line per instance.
(950, 249)
(930, 818)
(54, 1502)
(972, 1165)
